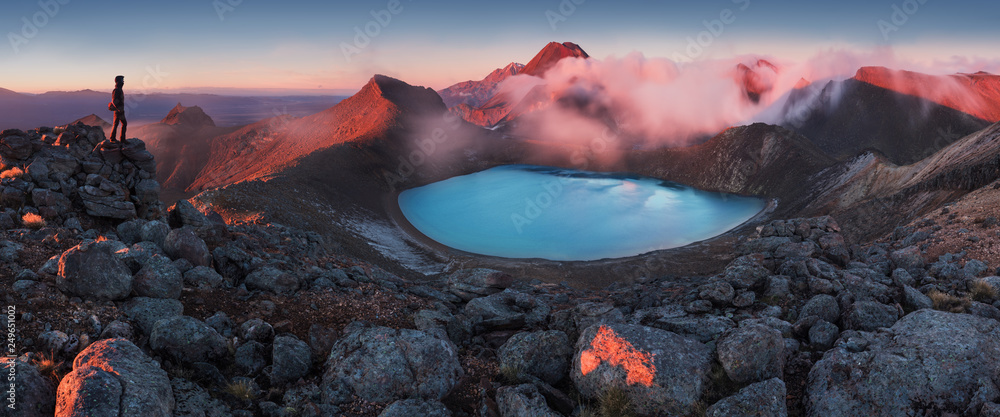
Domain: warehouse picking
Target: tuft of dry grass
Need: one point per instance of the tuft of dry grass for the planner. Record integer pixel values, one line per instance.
(510, 374)
(33, 221)
(185, 373)
(47, 365)
(947, 302)
(15, 172)
(240, 389)
(615, 402)
(982, 292)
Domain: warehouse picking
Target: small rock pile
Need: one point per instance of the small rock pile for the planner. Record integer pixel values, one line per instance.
(58, 173)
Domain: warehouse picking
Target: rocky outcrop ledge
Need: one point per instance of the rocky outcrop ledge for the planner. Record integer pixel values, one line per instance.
(60, 173)
(182, 314)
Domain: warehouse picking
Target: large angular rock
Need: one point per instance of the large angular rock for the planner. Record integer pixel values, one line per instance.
(187, 339)
(701, 328)
(91, 270)
(804, 249)
(544, 354)
(154, 231)
(478, 282)
(291, 359)
(35, 394)
(232, 262)
(145, 311)
(185, 243)
(113, 377)
(762, 399)
(907, 258)
(194, 401)
(15, 147)
(414, 407)
(130, 232)
(590, 313)
(915, 300)
(869, 316)
(117, 329)
(137, 255)
(273, 280)
(866, 289)
(746, 271)
(256, 329)
(397, 364)
(50, 203)
(158, 278)
(183, 213)
(929, 360)
(508, 309)
(752, 353)
(251, 357)
(90, 392)
(823, 306)
(104, 198)
(823, 334)
(147, 191)
(719, 293)
(523, 401)
(661, 372)
(203, 276)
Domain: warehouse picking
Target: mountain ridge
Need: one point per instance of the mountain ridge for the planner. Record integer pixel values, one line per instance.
(475, 93)
(551, 54)
(976, 94)
(263, 148)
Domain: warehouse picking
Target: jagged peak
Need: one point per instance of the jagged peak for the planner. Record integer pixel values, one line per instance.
(92, 120)
(550, 55)
(402, 94)
(190, 116)
(501, 74)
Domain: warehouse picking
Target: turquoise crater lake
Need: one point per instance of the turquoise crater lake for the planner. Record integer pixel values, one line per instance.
(523, 211)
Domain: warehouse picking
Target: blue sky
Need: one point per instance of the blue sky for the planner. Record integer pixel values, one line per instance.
(299, 45)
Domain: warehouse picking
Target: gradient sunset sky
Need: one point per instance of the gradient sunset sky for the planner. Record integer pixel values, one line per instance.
(298, 46)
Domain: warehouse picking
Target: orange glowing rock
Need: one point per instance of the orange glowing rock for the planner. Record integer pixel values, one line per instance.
(607, 346)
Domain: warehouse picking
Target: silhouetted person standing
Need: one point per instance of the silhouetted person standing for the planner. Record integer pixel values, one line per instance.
(118, 106)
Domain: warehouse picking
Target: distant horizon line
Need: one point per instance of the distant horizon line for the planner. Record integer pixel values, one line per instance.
(315, 92)
(217, 91)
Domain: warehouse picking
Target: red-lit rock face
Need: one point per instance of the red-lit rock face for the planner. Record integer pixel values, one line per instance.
(607, 346)
(550, 55)
(756, 79)
(976, 94)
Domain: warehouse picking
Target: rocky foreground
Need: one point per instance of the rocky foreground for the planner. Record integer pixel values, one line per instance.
(119, 307)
